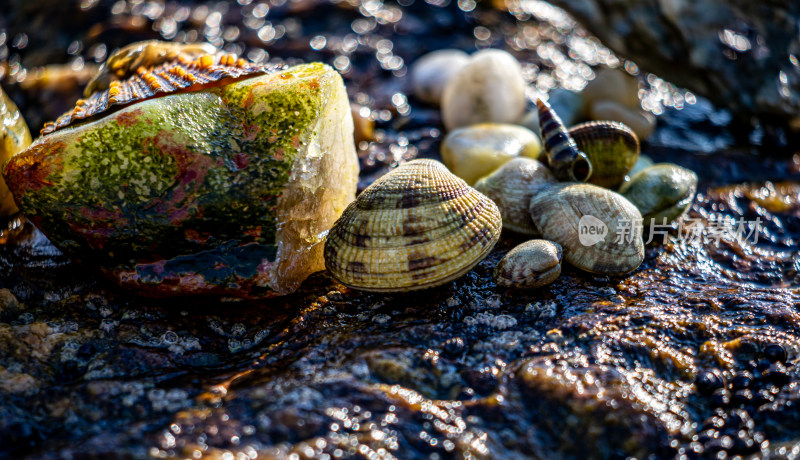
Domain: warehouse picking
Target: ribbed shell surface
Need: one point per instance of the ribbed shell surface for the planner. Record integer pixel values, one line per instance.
(612, 148)
(417, 227)
(179, 75)
(512, 186)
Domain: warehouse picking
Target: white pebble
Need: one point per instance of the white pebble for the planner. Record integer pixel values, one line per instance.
(490, 88)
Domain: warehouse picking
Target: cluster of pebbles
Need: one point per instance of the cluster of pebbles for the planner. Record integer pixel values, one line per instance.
(583, 192)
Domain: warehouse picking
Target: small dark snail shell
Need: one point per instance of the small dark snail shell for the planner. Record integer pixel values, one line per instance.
(564, 158)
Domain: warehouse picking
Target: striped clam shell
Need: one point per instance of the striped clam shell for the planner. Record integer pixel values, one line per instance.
(512, 186)
(181, 74)
(417, 227)
(564, 157)
(530, 265)
(612, 148)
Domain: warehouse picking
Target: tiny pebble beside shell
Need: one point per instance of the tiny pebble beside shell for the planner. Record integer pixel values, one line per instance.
(363, 127)
(476, 151)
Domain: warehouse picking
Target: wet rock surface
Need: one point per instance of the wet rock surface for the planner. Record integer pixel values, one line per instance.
(739, 54)
(693, 354)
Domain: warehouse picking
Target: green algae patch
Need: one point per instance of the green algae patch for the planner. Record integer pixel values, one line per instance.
(184, 194)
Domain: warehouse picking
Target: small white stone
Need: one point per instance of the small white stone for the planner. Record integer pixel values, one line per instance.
(431, 72)
(490, 88)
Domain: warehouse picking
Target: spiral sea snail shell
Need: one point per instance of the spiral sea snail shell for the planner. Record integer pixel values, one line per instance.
(564, 157)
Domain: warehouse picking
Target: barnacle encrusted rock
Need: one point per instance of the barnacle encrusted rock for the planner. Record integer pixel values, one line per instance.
(225, 190)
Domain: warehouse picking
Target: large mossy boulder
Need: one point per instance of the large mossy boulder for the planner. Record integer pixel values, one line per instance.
(228, 190)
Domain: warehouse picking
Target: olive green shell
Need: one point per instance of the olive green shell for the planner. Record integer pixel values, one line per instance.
(417, 227)
(612, 148)
(599, 230)
(530, 265)
(14, 137)
(511, 187)
(662, 192)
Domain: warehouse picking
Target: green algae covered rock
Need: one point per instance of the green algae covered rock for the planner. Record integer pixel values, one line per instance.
(224, 190)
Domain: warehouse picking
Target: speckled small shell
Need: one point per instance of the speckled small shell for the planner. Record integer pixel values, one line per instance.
(662, 192)
(564, 158)
(530, 265)
(511, 187)
(599, 230)
(180, 74)
(417, 227)
(612, 149)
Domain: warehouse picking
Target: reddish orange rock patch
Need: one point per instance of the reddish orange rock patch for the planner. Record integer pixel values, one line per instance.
(130, 118)
(26, 171)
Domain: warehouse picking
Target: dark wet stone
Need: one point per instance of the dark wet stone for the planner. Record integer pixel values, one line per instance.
(775, 352)
(776, 375)
(483, 381)
(720, 398)
(741, 380)
(454, 346)
(709, 381)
